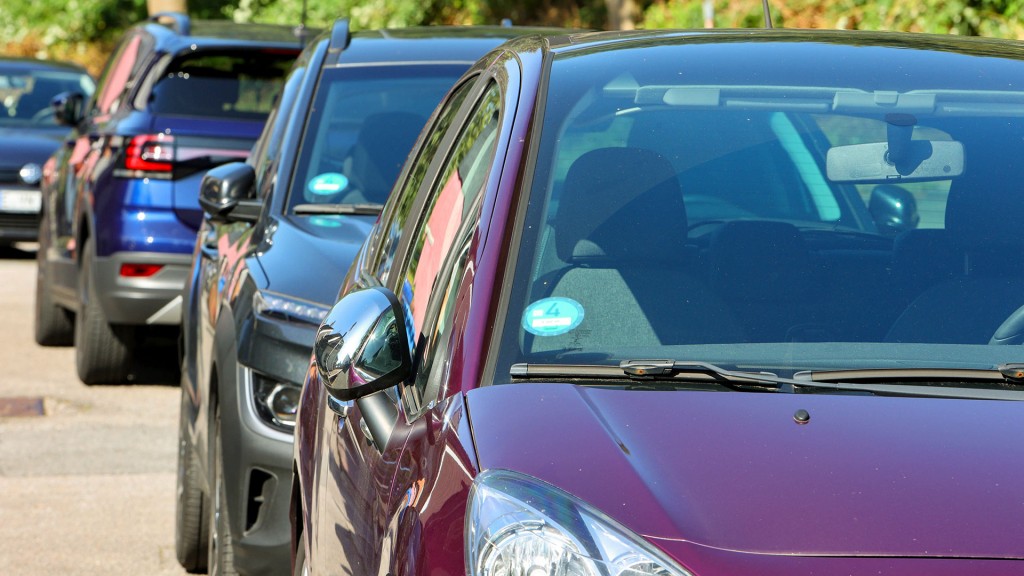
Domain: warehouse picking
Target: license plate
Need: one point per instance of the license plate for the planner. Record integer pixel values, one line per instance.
(24, 201)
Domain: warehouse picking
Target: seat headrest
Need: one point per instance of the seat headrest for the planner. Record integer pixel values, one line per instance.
(621, 204)
(985, 213)
(380, 149)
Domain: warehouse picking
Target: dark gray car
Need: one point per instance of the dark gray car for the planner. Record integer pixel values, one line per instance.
(280, 232)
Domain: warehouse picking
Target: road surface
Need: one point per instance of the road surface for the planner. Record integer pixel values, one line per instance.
(87, 487)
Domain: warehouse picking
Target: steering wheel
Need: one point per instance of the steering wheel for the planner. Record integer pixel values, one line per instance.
(1011, 331)
(46, 115)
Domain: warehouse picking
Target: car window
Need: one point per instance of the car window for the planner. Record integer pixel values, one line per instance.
(678, 210)
(363, 122)
(239, 85)
(25, 93)
(265, 154)
(434, 270)
(393, 222)
(113, 81)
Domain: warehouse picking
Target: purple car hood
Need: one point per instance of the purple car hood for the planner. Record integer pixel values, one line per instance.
(866, 476)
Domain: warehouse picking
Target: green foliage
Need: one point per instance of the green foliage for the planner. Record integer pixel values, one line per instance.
(67, 21)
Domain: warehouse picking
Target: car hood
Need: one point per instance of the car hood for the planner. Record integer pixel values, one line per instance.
(866, 476)
(309, 261)
(19, 147)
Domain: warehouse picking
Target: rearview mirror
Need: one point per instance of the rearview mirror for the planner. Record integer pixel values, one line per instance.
(893, 209)
(362, 346)
(226, 191)
(67, 108)
(922, 160)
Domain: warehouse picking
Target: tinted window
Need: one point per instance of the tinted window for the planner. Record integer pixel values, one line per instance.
(240, 85)
(363, 122)
(764, 208)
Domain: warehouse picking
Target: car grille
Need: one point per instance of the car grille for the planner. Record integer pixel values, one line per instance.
(9, 175)
(18, 222)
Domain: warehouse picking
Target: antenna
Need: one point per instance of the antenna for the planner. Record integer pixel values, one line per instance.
(767, 14)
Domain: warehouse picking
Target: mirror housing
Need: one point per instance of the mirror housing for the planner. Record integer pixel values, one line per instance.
(363, 346)
(226, 191)
(893, 209)
(68, 108)
(920, 161)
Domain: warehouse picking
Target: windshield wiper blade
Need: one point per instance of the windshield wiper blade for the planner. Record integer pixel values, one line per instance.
(663, 371)
(820, 381)
(367, 208)
(1006, 374)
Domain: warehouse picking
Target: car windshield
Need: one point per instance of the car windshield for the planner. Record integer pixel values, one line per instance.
(26, 94)
(364, 121)
(775, 206)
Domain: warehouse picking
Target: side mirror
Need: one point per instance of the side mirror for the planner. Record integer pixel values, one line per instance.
(362, 346)
(893, 209)
(68, 108)
(225, 193)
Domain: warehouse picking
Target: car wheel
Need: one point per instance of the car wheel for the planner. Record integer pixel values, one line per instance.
(103, 352)
(191, 529)
(54, 326)
(221, 561)
(301, 566)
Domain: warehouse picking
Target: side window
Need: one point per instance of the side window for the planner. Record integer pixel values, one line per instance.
(265, 155)
(391, 229)
(115, 77)
(434, 267)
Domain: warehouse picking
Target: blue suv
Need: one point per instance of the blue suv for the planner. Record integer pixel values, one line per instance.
(121, 212)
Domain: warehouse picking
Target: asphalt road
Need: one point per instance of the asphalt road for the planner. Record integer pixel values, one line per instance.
(87, 487)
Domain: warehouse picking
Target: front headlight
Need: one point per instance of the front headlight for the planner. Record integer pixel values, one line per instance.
(518, 526)
(288, 307)
(276, 401)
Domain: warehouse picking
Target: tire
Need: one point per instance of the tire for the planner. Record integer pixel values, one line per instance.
(191, 529)
(103, 352)
(221, 558)
(54, 326)
(301, 566)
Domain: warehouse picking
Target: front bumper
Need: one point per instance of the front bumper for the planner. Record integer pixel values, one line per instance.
(259, 474)
(19, 213)
(151, 300)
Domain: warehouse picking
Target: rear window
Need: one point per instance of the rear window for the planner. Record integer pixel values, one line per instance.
(238, 85)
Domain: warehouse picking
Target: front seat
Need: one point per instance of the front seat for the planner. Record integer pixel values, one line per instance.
(620, 234)
(987, 286)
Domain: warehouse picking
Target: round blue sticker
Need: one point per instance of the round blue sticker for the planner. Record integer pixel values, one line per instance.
(552, 316)
(327, 184)
(326, 221)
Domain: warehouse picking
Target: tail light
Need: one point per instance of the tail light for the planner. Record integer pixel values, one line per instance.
(150, 153)
(140, 270)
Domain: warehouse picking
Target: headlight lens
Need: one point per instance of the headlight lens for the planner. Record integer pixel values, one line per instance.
(272, 304)
(276, 401)
(519, 526)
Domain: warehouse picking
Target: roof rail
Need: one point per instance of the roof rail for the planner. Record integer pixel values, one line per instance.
(179, 22)
(340, 35)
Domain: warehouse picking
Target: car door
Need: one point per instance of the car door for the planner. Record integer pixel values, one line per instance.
(437, 209)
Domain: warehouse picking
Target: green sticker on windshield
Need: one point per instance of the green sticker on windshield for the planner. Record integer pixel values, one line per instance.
(552, 316)
(327, 184)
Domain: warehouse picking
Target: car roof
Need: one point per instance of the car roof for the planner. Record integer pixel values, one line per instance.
(431, 43)
(589, 41)
(220, 34)
(9, 63)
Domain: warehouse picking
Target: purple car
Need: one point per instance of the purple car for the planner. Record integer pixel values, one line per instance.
(686, 304)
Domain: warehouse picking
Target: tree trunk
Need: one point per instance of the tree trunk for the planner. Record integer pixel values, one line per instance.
(157, 6)
(621, 14)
